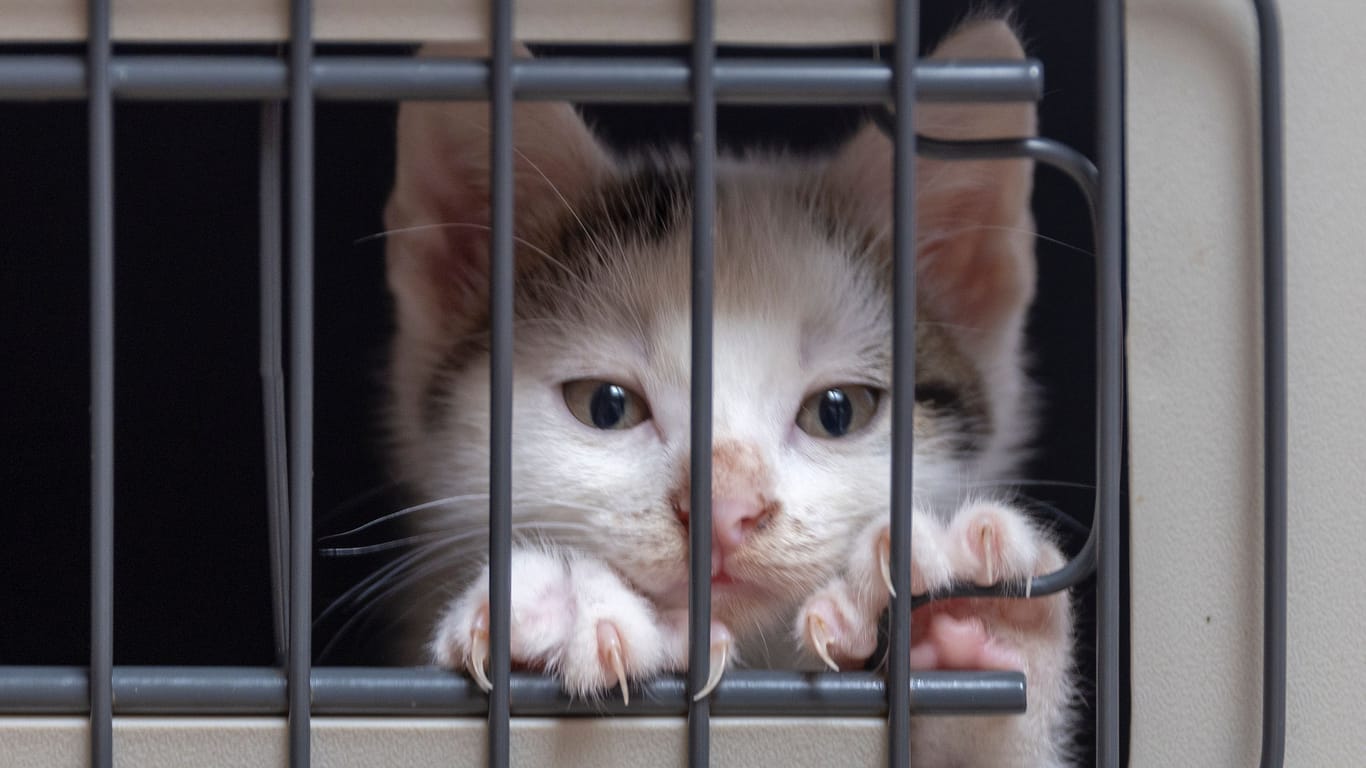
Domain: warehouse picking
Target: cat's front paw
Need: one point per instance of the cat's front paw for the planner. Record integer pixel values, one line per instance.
(573, 618)
(989, 544)
(985, 544)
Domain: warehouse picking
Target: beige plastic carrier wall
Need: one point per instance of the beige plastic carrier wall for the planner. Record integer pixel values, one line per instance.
(764, 21)
(1194, 392)
(1194, 381)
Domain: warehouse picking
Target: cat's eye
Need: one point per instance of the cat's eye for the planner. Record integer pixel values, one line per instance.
(604, 405)
(838, 411)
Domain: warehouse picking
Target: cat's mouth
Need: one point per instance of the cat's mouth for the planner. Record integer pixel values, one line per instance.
(726, 583)
(735, 582)
(722, 571)
(721, 581)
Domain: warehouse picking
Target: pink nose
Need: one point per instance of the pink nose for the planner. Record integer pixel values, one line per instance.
(732, 521)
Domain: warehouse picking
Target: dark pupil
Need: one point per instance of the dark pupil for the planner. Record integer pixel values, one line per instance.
(836, 412)
(608, 406)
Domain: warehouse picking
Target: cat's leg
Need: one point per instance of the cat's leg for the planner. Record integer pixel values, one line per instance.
(991, 543)
(573, 617)
(985, 543)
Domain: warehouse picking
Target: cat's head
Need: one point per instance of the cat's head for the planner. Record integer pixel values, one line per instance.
(802, 337)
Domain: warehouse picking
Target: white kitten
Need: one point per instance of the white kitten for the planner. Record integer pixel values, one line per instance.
(801, 413)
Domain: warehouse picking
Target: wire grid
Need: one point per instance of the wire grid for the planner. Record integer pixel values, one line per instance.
(299, 690)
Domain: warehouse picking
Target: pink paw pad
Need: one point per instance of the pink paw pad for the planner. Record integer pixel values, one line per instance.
(943, 640)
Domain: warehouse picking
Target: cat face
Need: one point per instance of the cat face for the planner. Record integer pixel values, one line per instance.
(802, 340)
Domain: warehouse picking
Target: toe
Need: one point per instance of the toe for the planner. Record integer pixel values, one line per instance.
(996, 544)
(833, 627)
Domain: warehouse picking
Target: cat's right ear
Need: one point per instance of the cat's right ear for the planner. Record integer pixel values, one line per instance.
(975, 237)
(437, 217)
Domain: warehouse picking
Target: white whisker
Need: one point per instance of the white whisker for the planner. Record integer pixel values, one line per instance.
(408, 511)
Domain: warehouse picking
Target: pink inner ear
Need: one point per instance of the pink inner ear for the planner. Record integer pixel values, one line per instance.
(438, 212)
(975, 259)
(971, 281)
(462, 268)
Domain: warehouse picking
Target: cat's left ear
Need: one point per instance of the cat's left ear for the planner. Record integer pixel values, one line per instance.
(975, 254)
(438, 216)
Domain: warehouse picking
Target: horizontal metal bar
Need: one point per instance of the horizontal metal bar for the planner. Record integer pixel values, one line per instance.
(403, 691)
(647, 80)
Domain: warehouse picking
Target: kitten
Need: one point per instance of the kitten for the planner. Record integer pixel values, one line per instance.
(801, 459)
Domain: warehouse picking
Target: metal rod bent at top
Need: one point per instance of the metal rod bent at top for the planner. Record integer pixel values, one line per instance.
(1274, 392)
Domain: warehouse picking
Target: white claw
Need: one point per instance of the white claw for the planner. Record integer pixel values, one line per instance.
(884, 561)
(611, 647)
(820, 639)
(479, 650)
(478, 655)
(720, 654)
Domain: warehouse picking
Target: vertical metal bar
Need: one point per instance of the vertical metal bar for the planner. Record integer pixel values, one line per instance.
(1273, 389)
(272, 366)
(501, 270)
(903, 381)
(101, 116)
(699, 502)
(1110, 361)
(301, 383)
